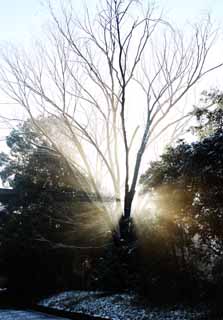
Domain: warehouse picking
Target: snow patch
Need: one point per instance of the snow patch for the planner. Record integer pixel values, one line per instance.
(119, 306)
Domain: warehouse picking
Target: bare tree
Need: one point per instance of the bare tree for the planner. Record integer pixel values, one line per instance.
(110, 85)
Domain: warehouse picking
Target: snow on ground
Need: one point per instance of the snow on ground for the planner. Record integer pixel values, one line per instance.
(116, 306)
(26, 315)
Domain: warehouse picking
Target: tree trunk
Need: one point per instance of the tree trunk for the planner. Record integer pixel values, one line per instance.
(126, 227)
(128, 204)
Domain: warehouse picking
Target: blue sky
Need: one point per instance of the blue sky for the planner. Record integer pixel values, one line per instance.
(21, 18)
(16, 17)
(187, 9)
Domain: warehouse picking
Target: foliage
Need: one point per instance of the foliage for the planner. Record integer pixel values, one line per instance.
(175, 248)
(33, 162)
(191, 176)
(36, 172)
(210, 116)
(186, 187)
(40, 216)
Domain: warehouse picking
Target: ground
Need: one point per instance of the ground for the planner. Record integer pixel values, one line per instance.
(25, 315)
(118, 307)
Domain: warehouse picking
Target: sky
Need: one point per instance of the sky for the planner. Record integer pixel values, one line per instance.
(21, 18)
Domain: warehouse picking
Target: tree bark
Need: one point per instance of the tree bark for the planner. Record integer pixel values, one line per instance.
(126, 226)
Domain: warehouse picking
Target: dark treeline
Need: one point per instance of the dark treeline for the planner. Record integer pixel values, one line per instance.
(44, 235)
(184, 241)
(175, 255)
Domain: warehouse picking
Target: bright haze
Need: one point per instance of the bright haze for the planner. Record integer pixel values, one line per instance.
(23, 22)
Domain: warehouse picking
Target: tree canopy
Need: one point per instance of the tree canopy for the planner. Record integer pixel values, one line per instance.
(43, 179)
(42, 220)
(187, 180)
(111, 82)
